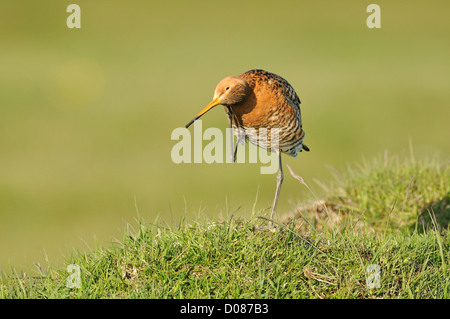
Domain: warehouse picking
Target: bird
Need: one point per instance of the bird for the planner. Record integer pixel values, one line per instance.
(257, 100)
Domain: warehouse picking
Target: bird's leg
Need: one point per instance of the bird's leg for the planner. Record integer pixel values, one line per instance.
(238, 141)
(233, 155)
(231, 137)
(233, 148)
(232, 119)
(280, 178)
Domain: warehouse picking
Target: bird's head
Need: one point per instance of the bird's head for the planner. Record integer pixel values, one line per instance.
(230, 91)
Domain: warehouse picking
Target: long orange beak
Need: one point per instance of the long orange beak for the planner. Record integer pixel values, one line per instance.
(213, 103)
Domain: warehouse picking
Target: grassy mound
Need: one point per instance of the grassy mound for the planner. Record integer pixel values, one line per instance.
(387, 193)
(381, 233)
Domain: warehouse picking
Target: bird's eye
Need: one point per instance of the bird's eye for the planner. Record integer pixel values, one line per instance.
(227, 88)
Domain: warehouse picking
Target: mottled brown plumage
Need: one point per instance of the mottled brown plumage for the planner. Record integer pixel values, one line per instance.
(257, 100)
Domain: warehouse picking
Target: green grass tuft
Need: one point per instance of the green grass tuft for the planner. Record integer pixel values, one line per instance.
(389, 214)
(388, 193)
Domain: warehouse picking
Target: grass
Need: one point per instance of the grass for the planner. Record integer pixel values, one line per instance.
(390, 193)
(391, 214)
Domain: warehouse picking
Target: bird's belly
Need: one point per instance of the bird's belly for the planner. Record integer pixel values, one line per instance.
(273, 139)
(272, 127)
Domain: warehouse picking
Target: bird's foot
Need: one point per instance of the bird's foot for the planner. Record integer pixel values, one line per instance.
(269, 226)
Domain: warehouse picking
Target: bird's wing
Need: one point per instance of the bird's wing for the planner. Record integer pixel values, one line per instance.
(275, 80)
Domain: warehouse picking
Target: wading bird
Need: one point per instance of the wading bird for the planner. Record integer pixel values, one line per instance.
(258, 100)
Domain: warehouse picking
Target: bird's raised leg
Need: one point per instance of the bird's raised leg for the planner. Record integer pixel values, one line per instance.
(239, 134)
(231, 135)
(239, 138)
(235, 146)
(280, 178)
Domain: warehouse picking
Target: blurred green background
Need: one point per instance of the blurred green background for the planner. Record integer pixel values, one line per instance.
(86, 115)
